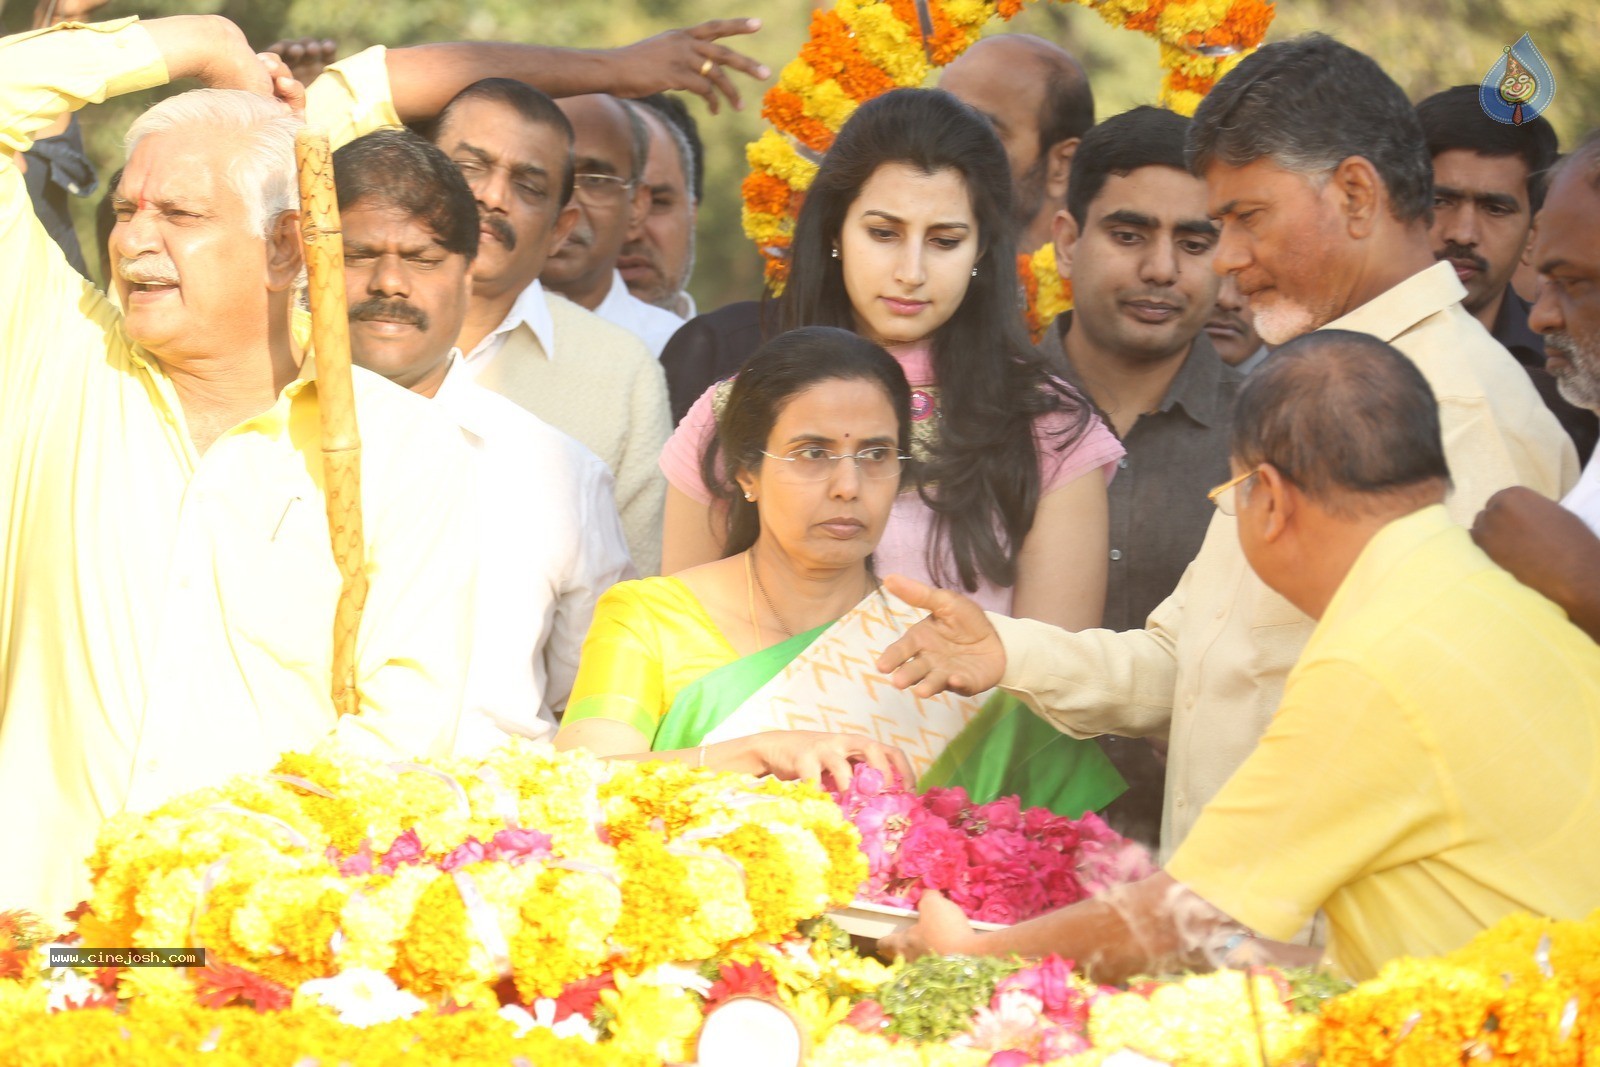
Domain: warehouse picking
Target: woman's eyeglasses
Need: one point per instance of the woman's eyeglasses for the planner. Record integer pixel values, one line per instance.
(817, 464)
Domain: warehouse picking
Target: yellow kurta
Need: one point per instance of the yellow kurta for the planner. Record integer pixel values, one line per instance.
(166, 617)
(1435, 765)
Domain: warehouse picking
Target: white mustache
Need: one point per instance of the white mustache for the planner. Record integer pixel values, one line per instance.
(148, 270)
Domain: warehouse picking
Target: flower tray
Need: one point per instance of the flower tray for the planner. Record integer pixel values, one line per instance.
(863, 919)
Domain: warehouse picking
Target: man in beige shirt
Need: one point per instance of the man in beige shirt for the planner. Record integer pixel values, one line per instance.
(1324, 224)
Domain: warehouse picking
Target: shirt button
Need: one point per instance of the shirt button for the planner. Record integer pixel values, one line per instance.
(1116, 554)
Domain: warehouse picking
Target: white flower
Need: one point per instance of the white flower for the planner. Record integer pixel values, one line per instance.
(68, 985)
(544, 1015)
(676, 976)
(362, 997)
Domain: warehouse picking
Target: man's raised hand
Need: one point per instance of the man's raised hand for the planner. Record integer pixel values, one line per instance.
(688, 59)
(954, 648)
(210, 48)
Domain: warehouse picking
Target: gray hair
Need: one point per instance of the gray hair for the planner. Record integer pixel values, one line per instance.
(263, 174)
(1308, 105)
(641, 139)
(679, 140)
(1585, 158)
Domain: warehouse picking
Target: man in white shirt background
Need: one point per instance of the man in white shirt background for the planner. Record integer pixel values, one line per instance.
(577, 372)
(658, 257)
(610, 145)
(550, 541)
(1554, 548)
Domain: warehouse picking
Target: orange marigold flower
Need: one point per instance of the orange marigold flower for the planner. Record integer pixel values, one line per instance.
(787, 112)
(832, 53)
(766, 194)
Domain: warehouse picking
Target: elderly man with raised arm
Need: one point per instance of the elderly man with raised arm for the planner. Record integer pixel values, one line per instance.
(169, 592)
(1430, 768)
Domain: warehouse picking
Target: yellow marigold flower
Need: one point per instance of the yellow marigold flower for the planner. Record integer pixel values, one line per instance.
(652, 1020)
(433, 952)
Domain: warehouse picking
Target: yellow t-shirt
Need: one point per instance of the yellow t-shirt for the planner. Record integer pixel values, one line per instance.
(649, 639)
(1434, 766)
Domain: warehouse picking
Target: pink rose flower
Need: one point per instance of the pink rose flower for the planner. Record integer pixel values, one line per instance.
(359, 863)
(469, 851)
(932, 853)
(947, 804)
(516, 846)
(407, 848)
(1050, 981)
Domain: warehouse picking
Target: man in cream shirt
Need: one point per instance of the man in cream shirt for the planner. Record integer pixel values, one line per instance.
(1344, 245)
(549, 540)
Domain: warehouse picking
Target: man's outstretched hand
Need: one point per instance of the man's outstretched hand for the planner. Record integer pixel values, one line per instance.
(954, 648)
(688, 59)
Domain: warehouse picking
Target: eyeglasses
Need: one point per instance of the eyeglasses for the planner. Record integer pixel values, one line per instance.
(817, 464)
(1223, 495)
(601, 190)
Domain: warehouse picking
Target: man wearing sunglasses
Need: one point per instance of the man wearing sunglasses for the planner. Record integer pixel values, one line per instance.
(610, 144)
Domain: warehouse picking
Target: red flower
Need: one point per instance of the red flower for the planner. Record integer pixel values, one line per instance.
(222, 983)
(357, 865)
(581, 996)
(867, 1016)
(742, 980)
(79, 912)
(13, 962)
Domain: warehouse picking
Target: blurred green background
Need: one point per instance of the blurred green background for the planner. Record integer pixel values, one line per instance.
(1425, 45)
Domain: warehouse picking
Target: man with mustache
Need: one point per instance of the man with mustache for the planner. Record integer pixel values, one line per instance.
(610, 146)
(550, 541)
(1488, 183)
(1554, 548)
(167, 611)
(1135, 243)
(1323, 218)
(1232, 330)
(582, 375)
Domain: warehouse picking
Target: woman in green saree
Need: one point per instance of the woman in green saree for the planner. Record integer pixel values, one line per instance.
(762, 661)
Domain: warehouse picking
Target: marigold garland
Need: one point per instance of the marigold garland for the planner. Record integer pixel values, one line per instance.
(863, 48)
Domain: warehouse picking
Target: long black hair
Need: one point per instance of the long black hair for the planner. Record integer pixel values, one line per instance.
(781, 369)
(982, 478)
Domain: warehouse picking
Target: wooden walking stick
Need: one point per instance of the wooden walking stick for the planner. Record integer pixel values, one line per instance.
(341, 441)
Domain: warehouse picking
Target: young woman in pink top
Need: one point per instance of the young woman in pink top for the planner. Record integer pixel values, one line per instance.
(906, 238)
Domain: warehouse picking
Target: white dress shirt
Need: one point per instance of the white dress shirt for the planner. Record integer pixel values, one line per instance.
(1584, 499)
(550, 544)
(530, 310)
(652, 325)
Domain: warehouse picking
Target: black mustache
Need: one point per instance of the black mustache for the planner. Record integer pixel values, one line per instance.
(394, 310)
(1455, 251)
(502, 229)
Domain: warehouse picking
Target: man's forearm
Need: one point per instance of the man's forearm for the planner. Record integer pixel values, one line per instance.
(209, 48)
(424, 78)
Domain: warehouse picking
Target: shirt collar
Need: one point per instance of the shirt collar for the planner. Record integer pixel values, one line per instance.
(616, 296)
(1512, 330)
(456, 398)
(529, 310)
(1193, 388)
(1386, 553)
(1396, 310)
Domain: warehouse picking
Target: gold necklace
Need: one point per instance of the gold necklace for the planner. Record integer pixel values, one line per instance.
(750, 570)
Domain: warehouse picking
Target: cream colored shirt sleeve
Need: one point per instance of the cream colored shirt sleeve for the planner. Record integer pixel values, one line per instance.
(641, 488)
(352, 97)
(1093, 682)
